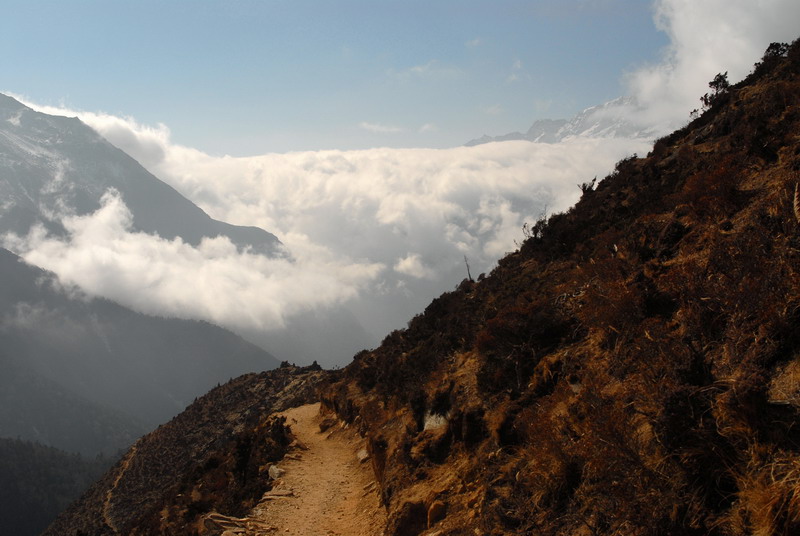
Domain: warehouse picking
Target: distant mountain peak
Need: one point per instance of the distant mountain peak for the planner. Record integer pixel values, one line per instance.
(52, 165)
(608, 120)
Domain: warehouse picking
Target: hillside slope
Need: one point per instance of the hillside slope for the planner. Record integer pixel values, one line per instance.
(88, 375)
(633, 369)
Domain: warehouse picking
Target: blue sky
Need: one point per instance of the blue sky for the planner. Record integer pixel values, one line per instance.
(249, 77)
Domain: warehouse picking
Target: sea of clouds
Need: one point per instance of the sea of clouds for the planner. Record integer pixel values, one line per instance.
(376, 234)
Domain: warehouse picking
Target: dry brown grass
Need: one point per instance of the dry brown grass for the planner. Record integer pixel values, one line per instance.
(633, 366)
(784, 388)
(770, 496)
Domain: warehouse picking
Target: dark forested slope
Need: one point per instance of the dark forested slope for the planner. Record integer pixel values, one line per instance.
(38, 482)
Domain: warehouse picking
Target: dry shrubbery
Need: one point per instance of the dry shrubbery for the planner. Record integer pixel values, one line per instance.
(770, 496)
(514, 340)
(711, 194)
(634, 365)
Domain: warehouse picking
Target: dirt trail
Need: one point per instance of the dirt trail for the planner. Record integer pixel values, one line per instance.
(109, 521)
(325, 490)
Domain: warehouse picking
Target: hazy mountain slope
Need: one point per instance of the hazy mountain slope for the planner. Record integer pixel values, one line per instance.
(213, 456)
(51, 166)
(103, 358)
(38, 482)
(36, 408)
(329, 336)
(633, 369)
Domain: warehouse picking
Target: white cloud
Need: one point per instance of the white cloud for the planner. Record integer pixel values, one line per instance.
(214, 282)
(379, 129)
(377, 205)
(706, 37)
(494, 109)
(427, 127)
(432, 69)
(474, 43)
(412, 265)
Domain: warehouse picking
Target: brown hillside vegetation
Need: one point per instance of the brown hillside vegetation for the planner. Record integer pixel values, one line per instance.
(633, 369)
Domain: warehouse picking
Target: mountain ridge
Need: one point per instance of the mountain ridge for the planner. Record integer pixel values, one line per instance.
(57, 165)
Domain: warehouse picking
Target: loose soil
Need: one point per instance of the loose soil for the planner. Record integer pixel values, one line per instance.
(326, 489)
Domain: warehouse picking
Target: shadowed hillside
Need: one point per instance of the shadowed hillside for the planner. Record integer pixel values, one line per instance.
(88, 375)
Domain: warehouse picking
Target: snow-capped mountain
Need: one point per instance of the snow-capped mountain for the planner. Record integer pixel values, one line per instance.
(608, 120)
(54, 166)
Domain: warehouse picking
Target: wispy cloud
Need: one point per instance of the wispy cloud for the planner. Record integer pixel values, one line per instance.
(542, 105)
(517, 72)
(431, 69)
(494, 109)
(474, 43)
(706, 38)
(379, 128)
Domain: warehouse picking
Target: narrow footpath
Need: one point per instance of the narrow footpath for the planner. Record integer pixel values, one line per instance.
(324, 486)
(107, 517)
